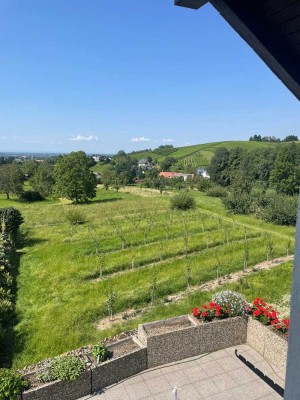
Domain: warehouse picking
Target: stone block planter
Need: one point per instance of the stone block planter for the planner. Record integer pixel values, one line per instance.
(169, 340)
(221, 334)
(61, 390)
(129, 357)
(162, 342)
(272, 346)
(182, 337)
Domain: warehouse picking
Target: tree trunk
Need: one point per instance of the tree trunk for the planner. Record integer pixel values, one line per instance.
(7, 195)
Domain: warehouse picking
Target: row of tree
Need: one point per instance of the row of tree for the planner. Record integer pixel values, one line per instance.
(12, 179)
(277, 167)
(259, 138)
(264, 181)
(71, 178)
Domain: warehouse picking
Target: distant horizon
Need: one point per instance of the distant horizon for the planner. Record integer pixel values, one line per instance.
(18, 152)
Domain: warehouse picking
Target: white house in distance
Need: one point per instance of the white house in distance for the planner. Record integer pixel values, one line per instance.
(144, 164)
(202, 172)
(170, 175)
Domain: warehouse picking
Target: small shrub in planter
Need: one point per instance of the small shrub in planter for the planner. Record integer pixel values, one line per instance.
(100, 352)
(283, 305)
(11, 384)
(182, 201)
(233, 301)
(67, 368)
(45, 375)
(224, 304)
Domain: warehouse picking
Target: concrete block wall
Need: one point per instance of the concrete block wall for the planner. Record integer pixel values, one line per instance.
(62, 390)
(196, 339)
(269, 344)
(110, 372)
(174, 342)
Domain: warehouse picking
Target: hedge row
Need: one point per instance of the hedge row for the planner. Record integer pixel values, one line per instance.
(10, 220)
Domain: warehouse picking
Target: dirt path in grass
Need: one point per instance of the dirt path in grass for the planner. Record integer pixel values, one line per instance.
(106, 323)
(234, 277)
(146, 192)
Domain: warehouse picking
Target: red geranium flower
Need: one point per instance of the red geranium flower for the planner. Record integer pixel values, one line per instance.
(196, 312)
(212, 304)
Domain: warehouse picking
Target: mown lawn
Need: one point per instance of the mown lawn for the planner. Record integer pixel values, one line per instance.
(61, 298)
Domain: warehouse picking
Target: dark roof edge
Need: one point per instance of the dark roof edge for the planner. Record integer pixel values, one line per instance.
(264, 51)
(282, 63)
(194, 4)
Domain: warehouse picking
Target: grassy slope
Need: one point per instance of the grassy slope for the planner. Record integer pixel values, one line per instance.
(59, 302)
(202, 153)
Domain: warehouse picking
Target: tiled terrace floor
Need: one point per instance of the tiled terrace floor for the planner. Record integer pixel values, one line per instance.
(217, 376)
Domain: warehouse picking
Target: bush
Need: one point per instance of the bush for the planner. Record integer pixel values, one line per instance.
(182, 201)
(30, 196)
(216, 191)
(239, 203)
(283, 305)
(11, 384)
(233, 301)
(67, 368)
(75, 217)
(281, 210)
(203, 184)
(100, 352)
(10, 221)
(45, 375)
(6, 282)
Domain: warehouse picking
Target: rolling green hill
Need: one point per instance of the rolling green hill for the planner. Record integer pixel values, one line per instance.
(200, 154)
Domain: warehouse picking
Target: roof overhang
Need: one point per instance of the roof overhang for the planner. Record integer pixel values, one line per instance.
(195, 4)
(271, 28)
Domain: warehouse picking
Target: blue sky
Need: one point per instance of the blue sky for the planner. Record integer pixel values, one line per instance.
(103, 75)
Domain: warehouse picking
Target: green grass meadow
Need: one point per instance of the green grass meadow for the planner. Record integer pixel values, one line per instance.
(61, 297)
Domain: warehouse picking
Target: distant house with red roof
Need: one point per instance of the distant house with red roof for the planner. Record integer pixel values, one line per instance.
(170, 175)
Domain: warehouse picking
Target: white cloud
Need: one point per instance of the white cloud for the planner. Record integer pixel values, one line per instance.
(140, 139)
(168, 140)
(80, 138)
(3, 137)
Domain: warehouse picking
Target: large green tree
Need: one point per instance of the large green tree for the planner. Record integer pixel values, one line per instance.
(108, 176)
(29, 167)
(219, 167)
(74, 180)
(43, 179)
(11, 179)
(286, 174)
(125, 167)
